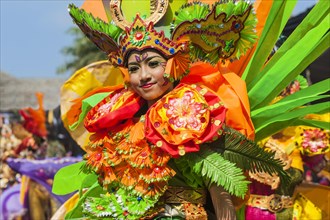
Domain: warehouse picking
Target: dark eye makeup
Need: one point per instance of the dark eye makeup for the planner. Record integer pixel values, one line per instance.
(133, 69)
(153, 63)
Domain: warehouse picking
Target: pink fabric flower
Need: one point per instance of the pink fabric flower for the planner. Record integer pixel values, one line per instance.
(185, 112)
(314, 140)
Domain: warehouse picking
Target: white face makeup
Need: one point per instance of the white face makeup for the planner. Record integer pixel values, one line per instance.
(146, 71)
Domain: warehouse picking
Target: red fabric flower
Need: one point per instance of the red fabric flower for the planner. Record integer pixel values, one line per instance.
(112, 110)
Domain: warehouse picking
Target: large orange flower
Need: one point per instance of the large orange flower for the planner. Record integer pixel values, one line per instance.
(184, 118)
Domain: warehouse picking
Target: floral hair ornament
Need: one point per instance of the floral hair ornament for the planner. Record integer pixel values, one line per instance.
(199, 32)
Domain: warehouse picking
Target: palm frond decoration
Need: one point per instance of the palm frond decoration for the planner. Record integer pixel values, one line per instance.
(212, 165)
(247, 155)
(224, 162)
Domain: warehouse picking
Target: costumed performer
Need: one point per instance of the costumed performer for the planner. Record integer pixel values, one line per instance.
(176, 127)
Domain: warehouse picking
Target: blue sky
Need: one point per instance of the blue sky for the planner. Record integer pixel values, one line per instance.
(34, 32)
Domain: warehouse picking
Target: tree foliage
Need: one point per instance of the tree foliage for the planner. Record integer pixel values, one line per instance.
(81, 53)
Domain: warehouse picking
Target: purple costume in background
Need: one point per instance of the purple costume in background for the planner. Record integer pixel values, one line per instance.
(10, 204)
(38, 170)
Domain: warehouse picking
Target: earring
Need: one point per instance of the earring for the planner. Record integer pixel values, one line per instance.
(166, 75)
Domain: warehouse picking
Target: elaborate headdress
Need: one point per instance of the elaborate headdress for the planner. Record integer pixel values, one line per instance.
(197, 32)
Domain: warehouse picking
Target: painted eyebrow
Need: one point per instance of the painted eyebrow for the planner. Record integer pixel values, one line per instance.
(148, 59)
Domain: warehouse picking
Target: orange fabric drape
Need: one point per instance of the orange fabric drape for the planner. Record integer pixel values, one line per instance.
(231, 90)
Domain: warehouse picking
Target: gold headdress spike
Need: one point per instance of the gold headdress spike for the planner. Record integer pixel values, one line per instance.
(198, 33)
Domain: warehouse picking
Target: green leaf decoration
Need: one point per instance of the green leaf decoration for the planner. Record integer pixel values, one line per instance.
(277, 18)
(212, 165)
(249, 156)
(189, 12)
(87, 104)
(280, 122)
(313, 123)
(313, 19)
(96, 24)
(114, 203)
(302, 81)
(68, 179)
(103, 35)
(289, 61)
(263, 115)
(77, 211)
(89, 181)
(184, 173)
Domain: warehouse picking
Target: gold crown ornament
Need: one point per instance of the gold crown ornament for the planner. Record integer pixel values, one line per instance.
(198, 32)
(141, 36)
